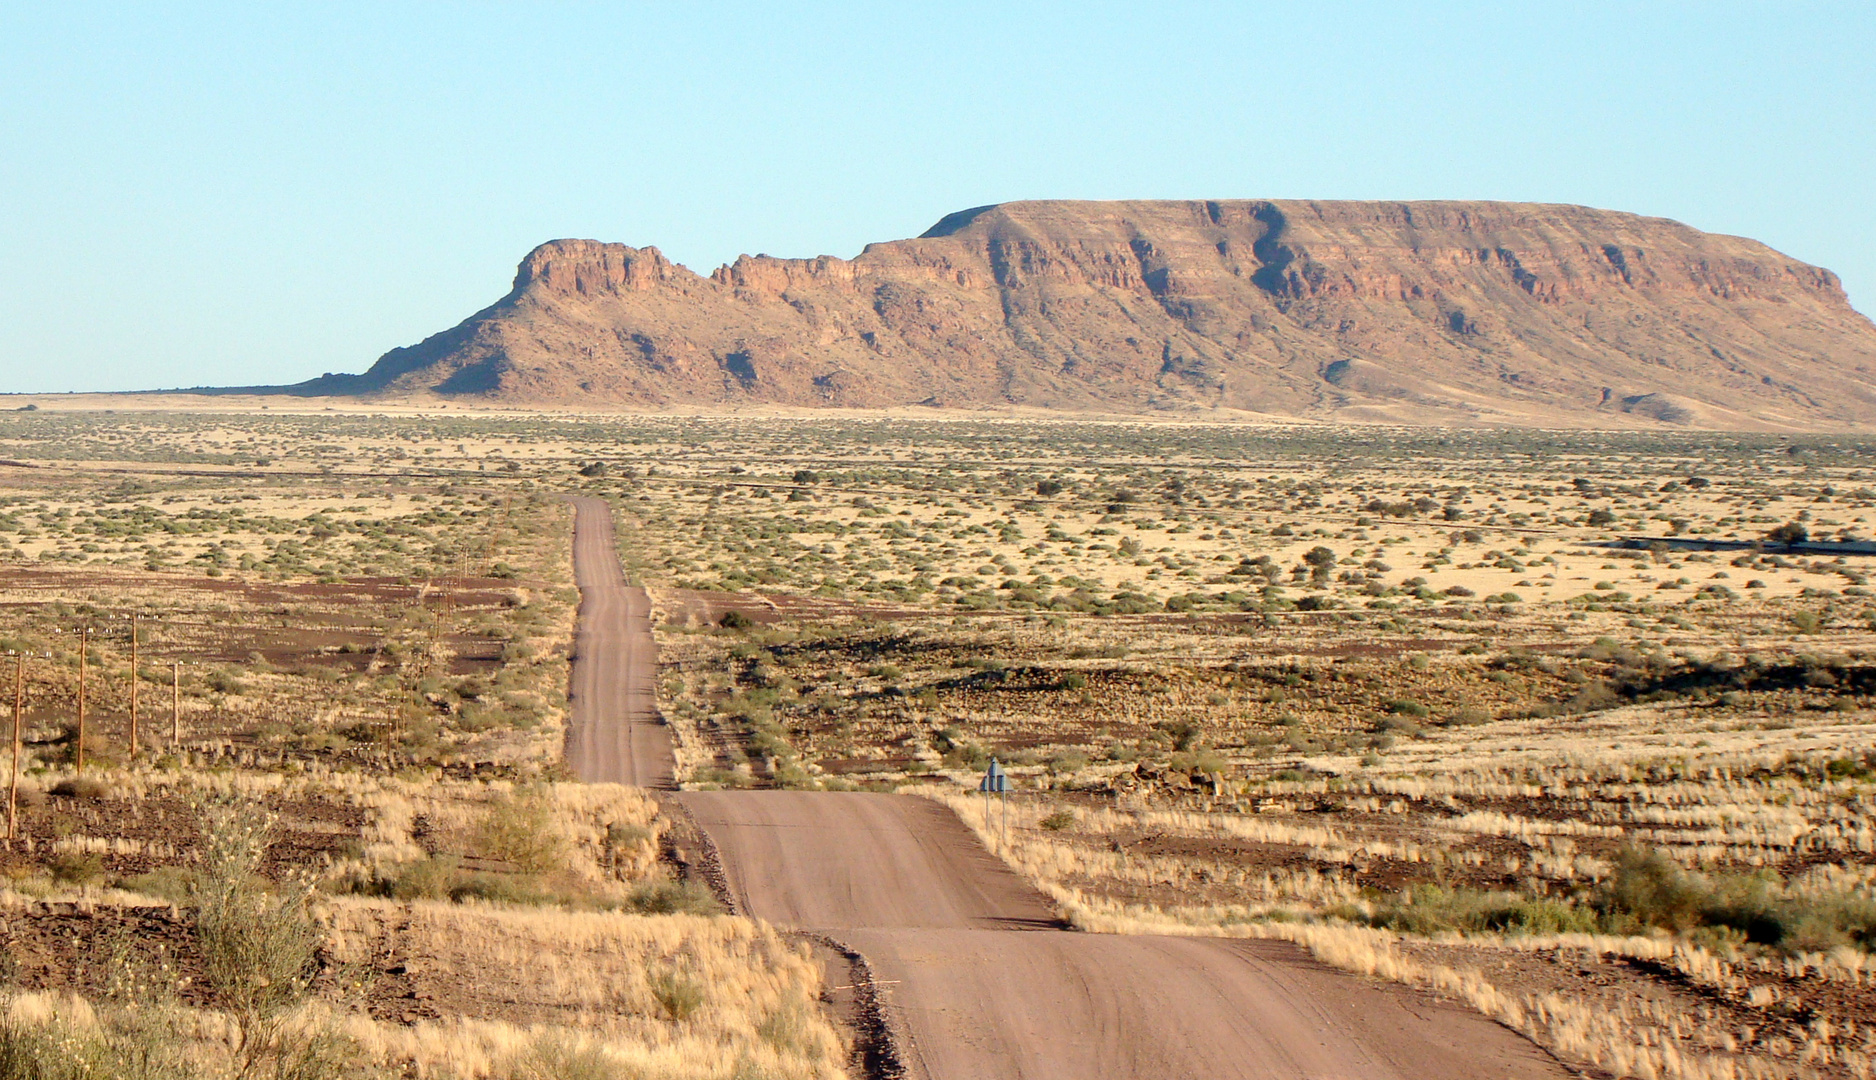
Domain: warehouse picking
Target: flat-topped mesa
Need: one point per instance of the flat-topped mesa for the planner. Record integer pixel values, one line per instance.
(1446, 312)
(1548, 251)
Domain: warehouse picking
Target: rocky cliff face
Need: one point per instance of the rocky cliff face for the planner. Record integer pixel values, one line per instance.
(1434, 311)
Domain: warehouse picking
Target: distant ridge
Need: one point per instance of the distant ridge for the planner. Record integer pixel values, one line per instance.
(1434, 312)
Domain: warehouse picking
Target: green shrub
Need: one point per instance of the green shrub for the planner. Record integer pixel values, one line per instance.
(258, 946)
(1648, 889)
(501, 889)
(560, 1057)
(666, 897)
(521, 830)
(1067, 762)
(172, 883)
(680, 995)
(73, 868)
(1652, 889)
(425, 879)
(89, 788)
(790, 1029)
(225, 682)
(127, 1047)
(1202, 762)
(1432, 909)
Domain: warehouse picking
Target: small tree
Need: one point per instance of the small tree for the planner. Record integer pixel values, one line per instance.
(1321, 561)
(259, 944)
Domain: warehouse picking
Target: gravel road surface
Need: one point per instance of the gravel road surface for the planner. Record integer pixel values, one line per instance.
(980, 980)
(615, 734)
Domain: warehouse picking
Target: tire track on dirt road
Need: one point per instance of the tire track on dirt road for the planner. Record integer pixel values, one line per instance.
(977, 977)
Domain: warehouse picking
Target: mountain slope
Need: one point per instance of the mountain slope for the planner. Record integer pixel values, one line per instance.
(1431, 311)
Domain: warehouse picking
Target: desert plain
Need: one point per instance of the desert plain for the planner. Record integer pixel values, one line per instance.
(1567, 730)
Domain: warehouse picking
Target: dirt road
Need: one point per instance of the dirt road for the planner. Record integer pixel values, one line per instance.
(616, 733)
(979, 979)
(825, 860)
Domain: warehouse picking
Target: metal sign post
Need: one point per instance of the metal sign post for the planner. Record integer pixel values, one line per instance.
(998, 781)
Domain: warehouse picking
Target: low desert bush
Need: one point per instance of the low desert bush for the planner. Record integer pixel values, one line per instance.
(559, 1056)
(80, 787)
(521, 830)
(1467, 716)
(678, 993)
(1058, 820)
(172, 883)
(1432, 909)
(1649, 889)
(73, 868)
(74, 1043)
(665, 897)
(258, 942)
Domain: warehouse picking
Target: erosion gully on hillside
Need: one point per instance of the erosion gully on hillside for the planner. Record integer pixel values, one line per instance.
(976, 974)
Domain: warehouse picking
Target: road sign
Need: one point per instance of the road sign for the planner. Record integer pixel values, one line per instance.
(995, 779)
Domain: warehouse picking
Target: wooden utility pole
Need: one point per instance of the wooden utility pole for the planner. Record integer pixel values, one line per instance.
(135, 678)
(84, 653)
(175, 704)
(19, 708)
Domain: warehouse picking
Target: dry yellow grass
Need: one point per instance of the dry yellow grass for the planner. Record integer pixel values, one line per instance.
(1647, 1037)
(598, 976)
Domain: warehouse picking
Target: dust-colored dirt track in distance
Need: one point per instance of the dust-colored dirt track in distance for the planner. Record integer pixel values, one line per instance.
(980, 981)
(615, 734)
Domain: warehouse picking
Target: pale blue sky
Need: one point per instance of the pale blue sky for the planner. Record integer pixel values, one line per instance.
(260, 192)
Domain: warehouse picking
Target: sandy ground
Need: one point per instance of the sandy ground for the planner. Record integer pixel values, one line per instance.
(979, 980)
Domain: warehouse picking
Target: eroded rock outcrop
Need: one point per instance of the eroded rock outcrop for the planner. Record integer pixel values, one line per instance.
(1429, 311)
